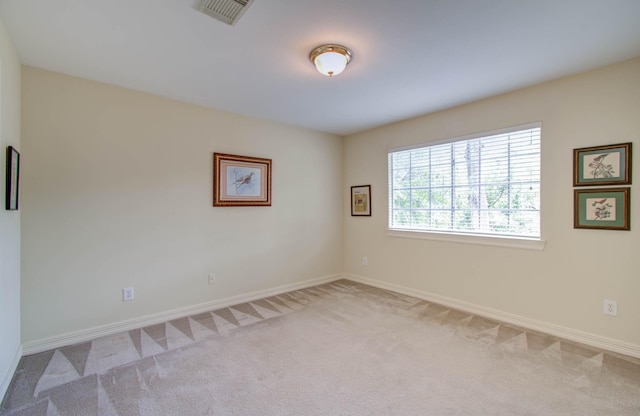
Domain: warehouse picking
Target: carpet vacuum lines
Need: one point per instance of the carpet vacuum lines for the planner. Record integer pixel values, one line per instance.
(341, 348)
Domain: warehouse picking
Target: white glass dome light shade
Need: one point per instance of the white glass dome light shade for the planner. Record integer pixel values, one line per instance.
(331, 63)
(330, 60)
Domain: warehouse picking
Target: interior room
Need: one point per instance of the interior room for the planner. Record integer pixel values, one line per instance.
(120, 256)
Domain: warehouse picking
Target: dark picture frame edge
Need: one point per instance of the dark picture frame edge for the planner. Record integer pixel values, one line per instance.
(361, 201)
(12, 193)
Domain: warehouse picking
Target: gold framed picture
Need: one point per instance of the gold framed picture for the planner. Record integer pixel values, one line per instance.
(602, 208)
(241, 181)
(602, 165)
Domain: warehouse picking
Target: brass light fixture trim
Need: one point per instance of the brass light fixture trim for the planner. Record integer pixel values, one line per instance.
(315, 56)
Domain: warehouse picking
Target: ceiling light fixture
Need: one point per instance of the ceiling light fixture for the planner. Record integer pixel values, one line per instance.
(330, 59)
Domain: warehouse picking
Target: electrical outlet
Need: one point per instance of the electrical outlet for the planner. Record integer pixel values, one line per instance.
(127, 294)
(610, 307)
(365, 261)
(212, 278)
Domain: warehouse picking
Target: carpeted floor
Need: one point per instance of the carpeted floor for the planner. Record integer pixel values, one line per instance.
(337, 349)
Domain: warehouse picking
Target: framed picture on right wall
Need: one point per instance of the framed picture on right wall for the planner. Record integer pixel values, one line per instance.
(602, 165)
(603, 208)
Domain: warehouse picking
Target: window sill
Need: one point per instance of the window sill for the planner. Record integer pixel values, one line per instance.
(486, 240)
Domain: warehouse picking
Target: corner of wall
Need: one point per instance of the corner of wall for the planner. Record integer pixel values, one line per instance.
(10, 316)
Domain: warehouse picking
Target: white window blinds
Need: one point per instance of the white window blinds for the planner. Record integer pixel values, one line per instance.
(484, 185)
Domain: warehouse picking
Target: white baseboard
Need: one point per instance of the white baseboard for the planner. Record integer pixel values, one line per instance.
(586, 338)
(71, 338)
(109, 329)
(8, 375)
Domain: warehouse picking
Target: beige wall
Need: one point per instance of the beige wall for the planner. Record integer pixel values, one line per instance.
(566, 283)
(9, 220)
(117, 192)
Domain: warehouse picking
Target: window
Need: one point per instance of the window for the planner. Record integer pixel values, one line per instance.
(484, 185)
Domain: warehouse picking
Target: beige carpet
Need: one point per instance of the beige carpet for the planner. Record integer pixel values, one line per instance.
(336, 349)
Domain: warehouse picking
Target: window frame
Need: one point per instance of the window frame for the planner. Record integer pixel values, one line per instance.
(500, 240)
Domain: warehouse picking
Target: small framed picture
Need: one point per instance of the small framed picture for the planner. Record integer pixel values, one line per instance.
(602, 165)
(361, 201)
(605, 208)
(241, 181)
(13, 179)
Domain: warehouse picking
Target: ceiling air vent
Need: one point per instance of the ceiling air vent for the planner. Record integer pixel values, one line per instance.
(227, 11)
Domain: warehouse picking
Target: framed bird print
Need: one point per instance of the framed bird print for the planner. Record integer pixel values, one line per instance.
(603, 208)
(241, 181)
(602, 165)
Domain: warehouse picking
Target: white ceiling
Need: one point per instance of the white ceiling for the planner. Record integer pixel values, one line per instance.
(411, 57)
